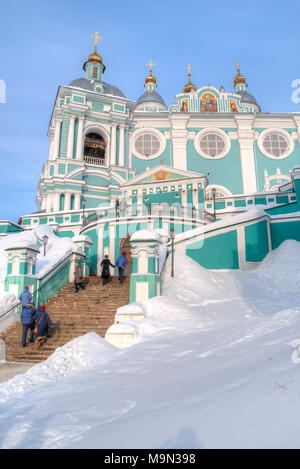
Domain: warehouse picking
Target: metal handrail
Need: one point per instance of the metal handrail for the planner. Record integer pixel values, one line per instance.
(55, 270)
(153, 210)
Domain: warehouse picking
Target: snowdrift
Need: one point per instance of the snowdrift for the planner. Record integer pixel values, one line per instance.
(213, 368)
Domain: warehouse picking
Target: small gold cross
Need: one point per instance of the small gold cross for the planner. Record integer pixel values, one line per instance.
(96, 37)
(150, 65)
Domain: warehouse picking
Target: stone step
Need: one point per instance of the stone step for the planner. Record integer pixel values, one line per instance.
(73, 314)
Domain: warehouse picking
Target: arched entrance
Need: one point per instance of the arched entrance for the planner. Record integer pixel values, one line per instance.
(94, 148)
(125, 247)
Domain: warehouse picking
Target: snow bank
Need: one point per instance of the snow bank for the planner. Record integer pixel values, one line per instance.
(145, 235)
(8, 301)
(281, 267)
(87, 351)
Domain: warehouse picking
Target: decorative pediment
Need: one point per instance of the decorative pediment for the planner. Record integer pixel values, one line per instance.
(162, 174)
(208, 99)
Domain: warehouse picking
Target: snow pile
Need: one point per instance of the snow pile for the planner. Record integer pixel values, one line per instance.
(282, 267)
(7, 302)
(82, 353)
(57, 250)
(146, 235)
(212, 368)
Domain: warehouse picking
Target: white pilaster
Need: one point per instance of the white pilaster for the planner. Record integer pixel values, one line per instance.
(48, 203)
(246, 141)
(179, 140)
(56, 201)
(56, 138)
(79, 150)
(113, 146)
(77, 202)
(71, 138)
(121, 147)
(51, 149)
(67, 201)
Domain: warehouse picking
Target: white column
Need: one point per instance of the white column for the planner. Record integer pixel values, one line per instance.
(121, 147)
(56, 139)
(71, 138)
(67, 201)
(113, 146)
(179, 139)
(48, 202)
(56, 201)
(51, 149)
(79, 150)
(246, 140)
(77, 201)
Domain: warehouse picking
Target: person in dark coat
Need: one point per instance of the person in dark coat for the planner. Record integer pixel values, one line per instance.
(42, 323)
(121, 264)
(25, 297)
(78, 278)
(27, 320)
(105, 275)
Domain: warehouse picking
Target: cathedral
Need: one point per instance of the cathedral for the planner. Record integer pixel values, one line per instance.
(118, 165)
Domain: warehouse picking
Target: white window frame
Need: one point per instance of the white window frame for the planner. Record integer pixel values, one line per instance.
(156, 133)
(221, 134)
(281, 132)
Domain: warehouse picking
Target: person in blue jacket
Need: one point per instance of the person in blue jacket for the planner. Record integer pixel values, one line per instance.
(42, 323)
(121, 264)
(28, 323)
(25, 297)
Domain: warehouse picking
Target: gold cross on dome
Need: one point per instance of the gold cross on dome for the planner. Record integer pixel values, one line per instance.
(96, 37)
(189, 67)
(237, 64)
(150, 65)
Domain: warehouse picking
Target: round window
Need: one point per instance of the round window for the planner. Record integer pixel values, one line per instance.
(275, 144)
(147, 144)
(212, 144)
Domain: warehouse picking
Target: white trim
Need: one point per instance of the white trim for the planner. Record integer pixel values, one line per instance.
(156, 133)
(221, 134)
(281, 132)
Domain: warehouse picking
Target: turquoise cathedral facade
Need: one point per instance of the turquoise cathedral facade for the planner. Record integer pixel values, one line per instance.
(117, 166)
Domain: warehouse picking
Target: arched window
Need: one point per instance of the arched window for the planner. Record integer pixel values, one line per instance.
(94, 149)
(95, 72)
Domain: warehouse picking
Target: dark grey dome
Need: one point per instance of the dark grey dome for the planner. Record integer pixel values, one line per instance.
(247, 98)
(151, 97)
(89, 86)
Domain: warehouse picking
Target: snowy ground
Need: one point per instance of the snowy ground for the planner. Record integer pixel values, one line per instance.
(212, 368)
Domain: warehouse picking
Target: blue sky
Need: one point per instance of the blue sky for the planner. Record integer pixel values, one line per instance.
(44, 43)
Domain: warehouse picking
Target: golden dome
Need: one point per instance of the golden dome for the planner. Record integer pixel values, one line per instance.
(189, 87)
(95, 57)
(239, 78)
(150, 79)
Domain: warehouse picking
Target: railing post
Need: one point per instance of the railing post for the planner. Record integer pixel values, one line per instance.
(21, 264)
(145, 279)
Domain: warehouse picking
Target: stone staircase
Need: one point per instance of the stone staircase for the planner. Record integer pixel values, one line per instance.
(73, 314)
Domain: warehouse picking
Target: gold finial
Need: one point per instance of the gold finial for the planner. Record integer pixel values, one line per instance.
(150, 78)
(239, 78)
(189, 87)
(150, 65)
(96, 37)
(95, 57)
